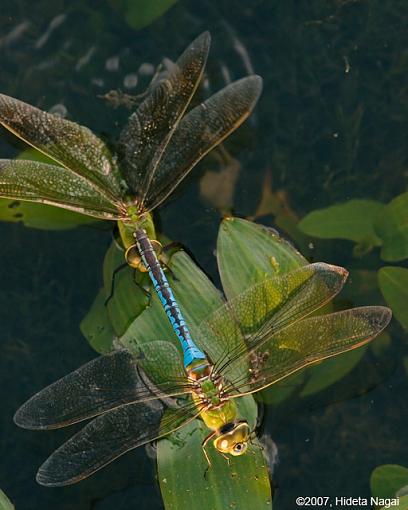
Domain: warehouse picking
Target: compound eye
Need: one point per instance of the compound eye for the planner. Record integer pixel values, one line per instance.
(240, 448)
(133, 257)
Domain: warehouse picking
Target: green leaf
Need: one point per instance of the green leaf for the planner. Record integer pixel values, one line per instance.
(125, 294)
(401, 505)
(393, 283)
(96, 326)
(352, 220)
(392, 227)
(44, 217)
(141, 13)
(5, 503)
(247, 253)
(35, 155)
(387, 480)
(41, 216)
(241, 483)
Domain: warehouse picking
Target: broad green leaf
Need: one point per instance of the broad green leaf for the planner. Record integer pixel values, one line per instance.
(96, 326)
(40, 215)
(35, 155)
(5, 503)
(352, 220)
(241, 483)
(141, 13)
(125, 293)
(392, 227)
(393, 283)
(387, 480)
(247, 253)
(401, 505)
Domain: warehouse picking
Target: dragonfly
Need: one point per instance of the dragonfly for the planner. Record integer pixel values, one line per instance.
(156, 150)
(268, 332)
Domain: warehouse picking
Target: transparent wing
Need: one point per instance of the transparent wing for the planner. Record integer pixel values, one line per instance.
(49, 184)
(105, 383)
(144, 139)
(306, 342)
(72, 146)
(269, 306)
(200, 131)
(110, 435)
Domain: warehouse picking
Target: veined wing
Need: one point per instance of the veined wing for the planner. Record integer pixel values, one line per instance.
(105, 383)
(72, 146)
(269, 306)
(110, 435)
(49, 184)
(307, 342)
(146, 136)
(200, 131)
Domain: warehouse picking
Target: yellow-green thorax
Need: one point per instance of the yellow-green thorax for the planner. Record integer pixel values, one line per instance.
(134, 221)
(220, 413)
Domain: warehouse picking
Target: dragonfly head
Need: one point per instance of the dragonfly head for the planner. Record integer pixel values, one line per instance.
(233, 438)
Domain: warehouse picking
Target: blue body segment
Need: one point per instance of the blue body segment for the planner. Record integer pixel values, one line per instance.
(191, 352)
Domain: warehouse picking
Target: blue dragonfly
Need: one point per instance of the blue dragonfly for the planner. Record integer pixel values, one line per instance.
(267, 332)
(156, 150)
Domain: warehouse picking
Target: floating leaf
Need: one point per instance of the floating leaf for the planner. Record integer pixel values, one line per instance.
(242, 482)
(96, 326)
(393, 283)
(5, 503)
(247, 253)
(41, 216)
(352, 220)
(387, 480)
(44, 217)
(392, 227)
(125, 295)
(401, 505)
(141, 13)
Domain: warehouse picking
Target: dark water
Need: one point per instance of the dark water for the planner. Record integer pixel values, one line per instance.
(331, 125)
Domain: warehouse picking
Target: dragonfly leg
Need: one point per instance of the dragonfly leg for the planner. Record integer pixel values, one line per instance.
(112, 289)
(207, 458)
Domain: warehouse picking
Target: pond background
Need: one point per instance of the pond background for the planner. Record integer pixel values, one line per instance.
(331, 125)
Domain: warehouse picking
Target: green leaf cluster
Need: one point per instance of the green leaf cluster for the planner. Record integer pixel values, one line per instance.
(36, 215)
(371, 224)
(390, 481)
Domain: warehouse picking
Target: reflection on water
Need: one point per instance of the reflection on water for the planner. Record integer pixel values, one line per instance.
(330, 127)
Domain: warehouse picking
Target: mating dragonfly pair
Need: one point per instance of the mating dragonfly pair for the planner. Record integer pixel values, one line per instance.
(267, 331)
